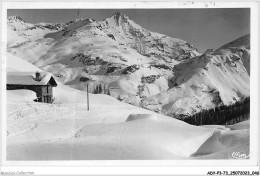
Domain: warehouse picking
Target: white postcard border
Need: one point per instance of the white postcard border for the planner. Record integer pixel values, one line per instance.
(150, 165)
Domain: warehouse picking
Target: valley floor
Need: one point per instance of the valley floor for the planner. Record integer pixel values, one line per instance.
(111, 130)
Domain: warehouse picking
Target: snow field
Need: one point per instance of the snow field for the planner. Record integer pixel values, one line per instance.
(111, 129)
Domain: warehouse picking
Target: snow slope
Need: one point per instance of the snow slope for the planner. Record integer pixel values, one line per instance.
(15, 64)
(111, 129)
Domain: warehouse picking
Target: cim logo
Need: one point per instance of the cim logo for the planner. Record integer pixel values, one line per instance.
(239, 155)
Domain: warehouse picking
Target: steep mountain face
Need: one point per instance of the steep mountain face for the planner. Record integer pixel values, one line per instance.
(206, 81)
(131, 61)
(135, 65)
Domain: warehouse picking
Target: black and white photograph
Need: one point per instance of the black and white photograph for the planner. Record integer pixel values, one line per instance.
(86, 84)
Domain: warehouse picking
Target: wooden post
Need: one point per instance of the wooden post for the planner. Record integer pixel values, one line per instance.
(87, 97)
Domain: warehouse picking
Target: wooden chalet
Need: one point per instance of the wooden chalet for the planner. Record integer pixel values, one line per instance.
(39, 82)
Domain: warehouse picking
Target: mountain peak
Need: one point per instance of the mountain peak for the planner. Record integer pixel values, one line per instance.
(15, 18)
(119, 17)
(118, 14)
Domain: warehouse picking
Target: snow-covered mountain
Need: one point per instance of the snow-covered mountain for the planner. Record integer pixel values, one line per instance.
(134, 62)
(206, 81)
(138, 66)
(20, 32)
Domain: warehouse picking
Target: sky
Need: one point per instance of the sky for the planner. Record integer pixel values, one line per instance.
(204, 28)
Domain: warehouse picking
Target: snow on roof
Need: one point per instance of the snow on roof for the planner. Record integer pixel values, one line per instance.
(28, 78)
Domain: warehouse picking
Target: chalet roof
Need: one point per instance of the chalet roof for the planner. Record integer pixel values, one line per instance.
(28, 78)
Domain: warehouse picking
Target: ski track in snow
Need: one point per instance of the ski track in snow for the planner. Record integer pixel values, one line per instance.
(23, 131)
